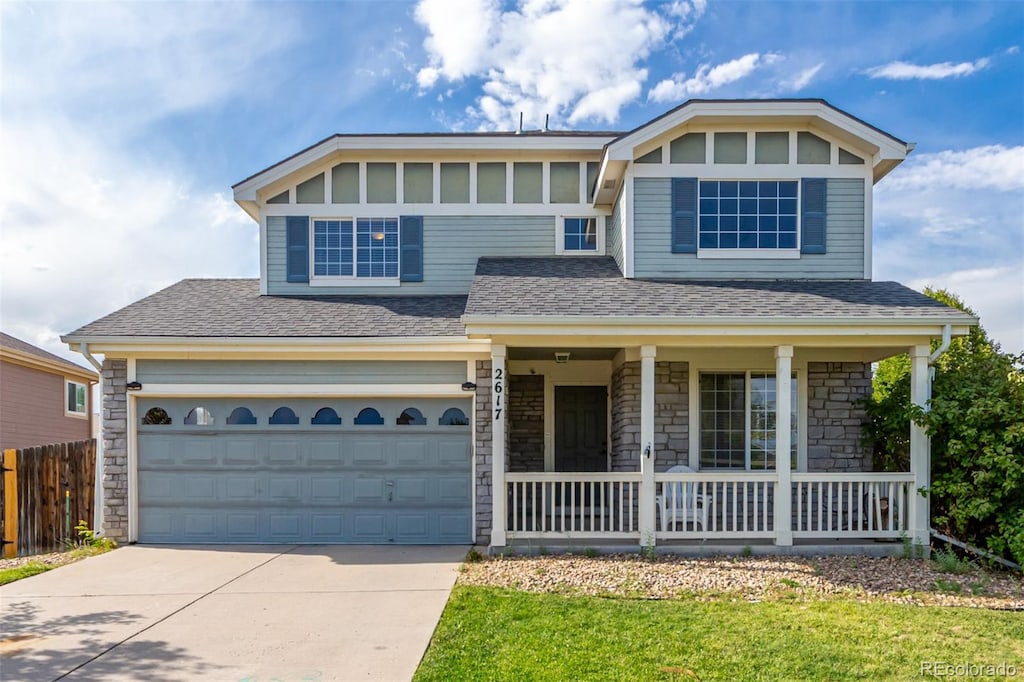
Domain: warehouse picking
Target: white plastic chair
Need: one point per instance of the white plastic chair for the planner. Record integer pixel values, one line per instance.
(680, 503)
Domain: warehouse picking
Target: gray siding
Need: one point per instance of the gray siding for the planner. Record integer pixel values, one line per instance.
(652, 233)
(451, 247)
(613, 237)
(298, 372)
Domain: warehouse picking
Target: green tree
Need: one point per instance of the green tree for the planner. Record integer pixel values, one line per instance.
(976, 423)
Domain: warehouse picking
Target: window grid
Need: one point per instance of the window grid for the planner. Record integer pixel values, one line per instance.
(737, 420)
(748, 214)
(580, 234)
(370, 250)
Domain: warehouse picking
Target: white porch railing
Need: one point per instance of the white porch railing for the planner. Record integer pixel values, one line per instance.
(714, 505)
(854, 505)
(573, 505)
(708, 505)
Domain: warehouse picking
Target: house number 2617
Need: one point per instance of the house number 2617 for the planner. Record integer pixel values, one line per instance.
(499, 388)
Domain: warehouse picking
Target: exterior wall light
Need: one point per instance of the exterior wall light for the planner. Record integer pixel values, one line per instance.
(133, 386)
(562, 357)
(469, 386)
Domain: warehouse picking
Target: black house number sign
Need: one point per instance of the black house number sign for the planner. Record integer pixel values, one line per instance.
(499, 390)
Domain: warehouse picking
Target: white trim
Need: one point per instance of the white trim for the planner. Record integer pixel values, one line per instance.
(302, 390)
(324, 281)
(84, 414)
(399, 183)
(132, 447)
(627, 199)
(869, 219)
(766, 253)
(599, 226)
(327, 212)
(362, 185)
(498, 416)
(264, 273)
(182, 346)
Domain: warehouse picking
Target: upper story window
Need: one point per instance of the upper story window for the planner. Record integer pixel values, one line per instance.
(75, 398)
(578, 235)
(370, 250)
(748, 214)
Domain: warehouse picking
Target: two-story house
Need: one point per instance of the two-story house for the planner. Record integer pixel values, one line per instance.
(653, 337)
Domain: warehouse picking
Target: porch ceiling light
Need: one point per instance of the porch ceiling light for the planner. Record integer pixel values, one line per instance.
(562, 356)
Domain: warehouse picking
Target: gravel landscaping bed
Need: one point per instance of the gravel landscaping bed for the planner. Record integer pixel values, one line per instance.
(53, 559)
(910, 581)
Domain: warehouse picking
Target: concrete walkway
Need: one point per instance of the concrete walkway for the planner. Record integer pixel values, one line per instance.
(228, 613)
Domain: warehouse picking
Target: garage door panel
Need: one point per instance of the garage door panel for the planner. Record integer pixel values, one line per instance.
(368, 452)
(241, 451)
(199, 450)
(452, 451)
(329, 483)
(326, 490)
(284, 452)
(323, 452)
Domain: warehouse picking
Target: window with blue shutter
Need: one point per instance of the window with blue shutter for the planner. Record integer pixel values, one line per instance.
(813, 221)
(411, 240)
(684, 215)
(297, 240)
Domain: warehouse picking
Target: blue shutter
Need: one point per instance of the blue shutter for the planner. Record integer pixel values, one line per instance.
(411, 241)
(684, 215)
(297, 240)
(813, 193)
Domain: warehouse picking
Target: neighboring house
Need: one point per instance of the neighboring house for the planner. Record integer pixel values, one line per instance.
(512, 338)
(43, 398)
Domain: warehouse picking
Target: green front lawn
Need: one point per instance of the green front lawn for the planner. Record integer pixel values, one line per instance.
(50, 562)
(501, 634)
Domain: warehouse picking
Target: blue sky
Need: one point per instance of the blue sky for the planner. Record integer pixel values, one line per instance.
(124, 125)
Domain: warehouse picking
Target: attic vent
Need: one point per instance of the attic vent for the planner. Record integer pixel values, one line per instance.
(608, 184)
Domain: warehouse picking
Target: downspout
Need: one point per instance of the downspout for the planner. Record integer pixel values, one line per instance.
(947, 334)
(97, 504)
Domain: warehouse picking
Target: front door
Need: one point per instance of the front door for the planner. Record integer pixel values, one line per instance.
(581, 428)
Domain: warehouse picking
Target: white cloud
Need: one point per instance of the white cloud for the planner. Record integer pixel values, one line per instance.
(708, 78)
(91, 220)
(906, 71)
(990, 167)
(996, 294)
(802, 79)
(528, 63)
(955, 219)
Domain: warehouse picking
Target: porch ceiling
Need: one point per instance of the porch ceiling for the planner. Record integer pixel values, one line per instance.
(575, 353)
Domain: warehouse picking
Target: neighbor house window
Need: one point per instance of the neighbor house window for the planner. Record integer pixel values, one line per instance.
(366, 247)
(748, 214)
(578, 235)
(737, 420)
(75, 398)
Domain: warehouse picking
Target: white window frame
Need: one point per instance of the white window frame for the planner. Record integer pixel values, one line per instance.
(85, 408)
(352, 280)
(766, 253)
(795, 448)
(560, 249)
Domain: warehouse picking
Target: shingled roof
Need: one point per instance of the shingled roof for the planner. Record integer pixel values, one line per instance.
(8, 342)
(235, 308)
(594, 287)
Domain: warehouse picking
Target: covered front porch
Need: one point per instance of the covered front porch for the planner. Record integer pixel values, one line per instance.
(689, 447)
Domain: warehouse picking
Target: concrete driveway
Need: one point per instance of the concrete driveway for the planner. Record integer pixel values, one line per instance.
(228, 613)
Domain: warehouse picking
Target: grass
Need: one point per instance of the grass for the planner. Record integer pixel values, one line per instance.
(502, 634)
(26, 570)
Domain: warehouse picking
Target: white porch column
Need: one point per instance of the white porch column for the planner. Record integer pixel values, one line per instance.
(920, 455)
(783, 406)
(498, 399)
(647, 456)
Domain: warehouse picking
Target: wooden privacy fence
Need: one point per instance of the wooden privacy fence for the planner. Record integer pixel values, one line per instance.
(46, 490)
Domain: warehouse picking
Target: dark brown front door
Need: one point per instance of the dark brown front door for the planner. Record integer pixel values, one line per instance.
(581, 428)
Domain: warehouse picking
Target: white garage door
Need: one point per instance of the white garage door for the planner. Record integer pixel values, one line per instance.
(304, 471)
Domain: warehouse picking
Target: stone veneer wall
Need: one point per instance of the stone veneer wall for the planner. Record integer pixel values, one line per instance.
(115, 450)
(526, 422)
(835, 416)
(671, 418)
(484, 489)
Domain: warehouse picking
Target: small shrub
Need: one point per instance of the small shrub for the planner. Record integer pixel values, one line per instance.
(747, 551)
(951, 586)
(474, 556)
(589, 552)
(947, 561)
(789, 582)
(89, 538)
